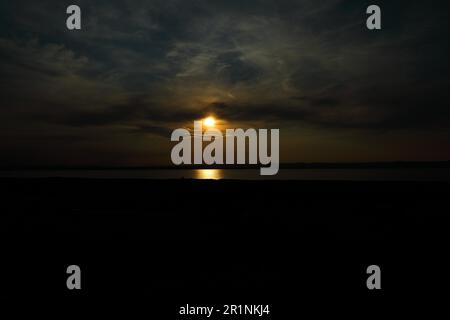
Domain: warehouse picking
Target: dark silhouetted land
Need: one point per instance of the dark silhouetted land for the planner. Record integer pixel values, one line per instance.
(175, 241)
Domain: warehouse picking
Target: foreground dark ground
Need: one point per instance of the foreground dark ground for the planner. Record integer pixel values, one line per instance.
(162, 244)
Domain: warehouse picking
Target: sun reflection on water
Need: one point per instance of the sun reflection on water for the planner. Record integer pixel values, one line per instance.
(209, 174)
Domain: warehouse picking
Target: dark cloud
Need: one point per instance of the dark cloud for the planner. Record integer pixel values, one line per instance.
(147, 67)
(231, 67)
(161, 131)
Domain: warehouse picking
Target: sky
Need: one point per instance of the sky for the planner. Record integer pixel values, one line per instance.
(111, 93)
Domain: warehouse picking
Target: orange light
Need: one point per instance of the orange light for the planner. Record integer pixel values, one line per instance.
(209, 122)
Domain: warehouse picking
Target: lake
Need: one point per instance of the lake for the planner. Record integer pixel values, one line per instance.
(394, 174)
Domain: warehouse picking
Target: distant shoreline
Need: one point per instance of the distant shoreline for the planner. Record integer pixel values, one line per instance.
(302, 165)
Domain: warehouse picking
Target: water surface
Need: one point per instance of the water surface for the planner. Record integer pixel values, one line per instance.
(395, 174)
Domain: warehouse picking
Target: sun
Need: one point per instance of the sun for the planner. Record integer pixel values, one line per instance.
(209, 122)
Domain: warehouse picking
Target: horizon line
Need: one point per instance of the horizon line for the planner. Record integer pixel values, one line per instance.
(285, 165)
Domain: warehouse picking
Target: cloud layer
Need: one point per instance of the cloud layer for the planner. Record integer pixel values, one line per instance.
(139, 69)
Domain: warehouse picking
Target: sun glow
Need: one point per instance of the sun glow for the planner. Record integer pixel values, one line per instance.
(209, 122)
(214, 174)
